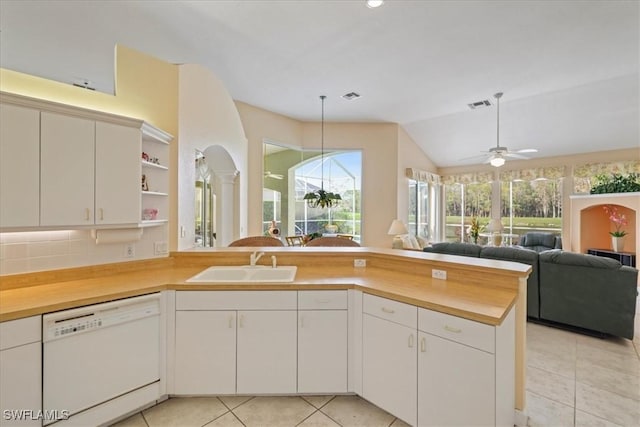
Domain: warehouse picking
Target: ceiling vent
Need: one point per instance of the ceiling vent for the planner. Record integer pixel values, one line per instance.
(479, 104)
(351, 96)
(83, 83)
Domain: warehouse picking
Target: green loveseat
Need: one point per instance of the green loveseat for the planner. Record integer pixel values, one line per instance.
(584, 291)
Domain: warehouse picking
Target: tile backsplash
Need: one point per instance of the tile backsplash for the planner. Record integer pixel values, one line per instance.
(27, 252)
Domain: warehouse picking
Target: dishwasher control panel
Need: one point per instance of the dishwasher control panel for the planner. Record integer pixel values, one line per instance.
(86, 319)
(71, 326)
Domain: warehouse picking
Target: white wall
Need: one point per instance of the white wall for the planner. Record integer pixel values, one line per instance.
(48, 250)
(207, 116)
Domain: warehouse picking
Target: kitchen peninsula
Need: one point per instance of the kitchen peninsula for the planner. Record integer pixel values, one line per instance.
(474, 307)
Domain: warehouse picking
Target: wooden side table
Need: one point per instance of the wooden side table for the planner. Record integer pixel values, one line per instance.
(625, 258)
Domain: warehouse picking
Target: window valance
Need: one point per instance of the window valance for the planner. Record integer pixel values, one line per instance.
(590, 170)
(552, 172)
(422, 176)
(468, 178)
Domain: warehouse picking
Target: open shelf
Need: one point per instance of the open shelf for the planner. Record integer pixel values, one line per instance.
(153, 165)
(154, 193)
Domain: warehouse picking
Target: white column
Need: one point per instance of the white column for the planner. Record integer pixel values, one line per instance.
(225, 207)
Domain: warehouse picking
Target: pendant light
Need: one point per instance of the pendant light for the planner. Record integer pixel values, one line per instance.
(321, 198)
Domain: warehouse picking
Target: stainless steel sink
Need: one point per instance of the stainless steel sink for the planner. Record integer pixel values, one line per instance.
(245, 274)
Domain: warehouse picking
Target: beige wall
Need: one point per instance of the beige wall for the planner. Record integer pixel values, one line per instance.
(147, 89)
(261, 126)
(207, 117)
(409, 156)
(379, 145)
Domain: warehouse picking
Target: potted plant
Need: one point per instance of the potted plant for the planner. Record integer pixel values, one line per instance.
(619, 220)
(616, 183)
(322, 199)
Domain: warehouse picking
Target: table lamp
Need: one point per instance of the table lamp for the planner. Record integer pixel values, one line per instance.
(397, 229)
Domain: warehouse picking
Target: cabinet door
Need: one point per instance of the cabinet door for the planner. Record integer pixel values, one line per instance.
(21, 385)
(19, 166)
(117, 175)
(455, 384)
(266, 352)
(66, 170)
(322, 351)
(205, 355)
(389, 366)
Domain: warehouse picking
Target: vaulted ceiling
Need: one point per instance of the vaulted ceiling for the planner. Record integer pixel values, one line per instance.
(569, 69)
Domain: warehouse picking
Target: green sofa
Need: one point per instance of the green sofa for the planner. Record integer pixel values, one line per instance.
(588, 292)
(584, 291)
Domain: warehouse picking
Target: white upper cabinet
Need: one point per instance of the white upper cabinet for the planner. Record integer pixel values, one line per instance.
(117, 174)
(67, 153)
(64, 166)
(19, 166)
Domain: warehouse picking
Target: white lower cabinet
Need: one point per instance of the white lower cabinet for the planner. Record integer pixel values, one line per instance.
(455, 384)
(266, 352)
(389, 357)
(205, 352)
(231, 342)
(322, 341)
(466, 373)
(21, 372)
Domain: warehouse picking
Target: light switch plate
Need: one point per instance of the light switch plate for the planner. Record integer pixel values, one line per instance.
(439, 274)
(359, 262)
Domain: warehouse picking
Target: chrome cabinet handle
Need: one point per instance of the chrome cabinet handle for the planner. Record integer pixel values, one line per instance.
(87, 214)
(411, 341)
(101, 214)
(388, 310)
(423, 345)
(231, 321)
(452, 329)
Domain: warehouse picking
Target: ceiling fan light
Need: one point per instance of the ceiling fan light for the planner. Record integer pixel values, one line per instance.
(497, 161)
(371, 4)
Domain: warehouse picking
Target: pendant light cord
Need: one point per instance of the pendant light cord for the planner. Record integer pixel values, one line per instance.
(322, 97)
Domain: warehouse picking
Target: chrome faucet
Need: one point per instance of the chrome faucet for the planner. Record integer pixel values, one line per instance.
(253, 259)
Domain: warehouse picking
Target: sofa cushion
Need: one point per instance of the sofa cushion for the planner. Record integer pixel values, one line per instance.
(525, 256)
(540, 239)
(558, 256)
(455, 248)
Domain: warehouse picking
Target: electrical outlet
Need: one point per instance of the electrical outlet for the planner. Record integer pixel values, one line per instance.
(439, 274)
(129, 250)
(160, 248)
(359, 262)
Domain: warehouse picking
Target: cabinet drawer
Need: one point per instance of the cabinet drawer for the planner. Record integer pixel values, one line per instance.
(236, 300)
(322, 300)
(463, 331)
(395, 311)
(21, 331)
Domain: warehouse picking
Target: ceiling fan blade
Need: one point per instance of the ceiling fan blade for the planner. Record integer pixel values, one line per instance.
(526, 150)
(516, 156)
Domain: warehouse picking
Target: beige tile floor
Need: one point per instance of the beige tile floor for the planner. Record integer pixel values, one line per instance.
(572, 380)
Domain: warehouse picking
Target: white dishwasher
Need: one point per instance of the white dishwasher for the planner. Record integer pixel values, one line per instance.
(96, 353)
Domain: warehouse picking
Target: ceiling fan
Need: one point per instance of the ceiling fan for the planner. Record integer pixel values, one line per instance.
(268, 174)
(496, 156)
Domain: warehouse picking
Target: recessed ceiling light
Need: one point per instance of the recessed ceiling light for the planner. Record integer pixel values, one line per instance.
(351, 96)
(371, 4)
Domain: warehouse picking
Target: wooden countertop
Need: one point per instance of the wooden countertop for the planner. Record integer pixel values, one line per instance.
(487, 304)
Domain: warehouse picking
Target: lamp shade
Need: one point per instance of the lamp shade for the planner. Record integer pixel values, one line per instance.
(397, 227)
